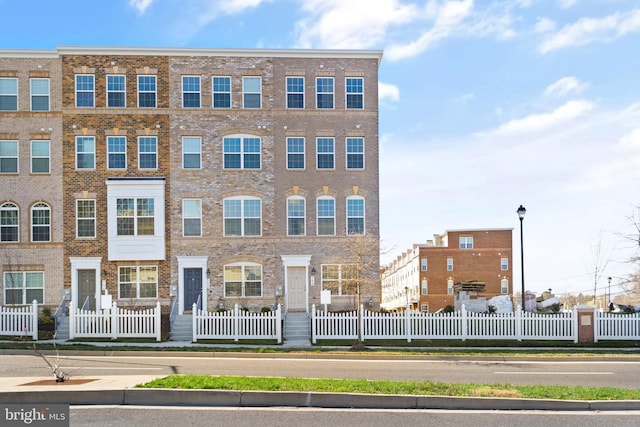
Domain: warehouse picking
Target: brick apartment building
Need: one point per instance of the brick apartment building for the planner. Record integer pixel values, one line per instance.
(424, 276)
(188, 175)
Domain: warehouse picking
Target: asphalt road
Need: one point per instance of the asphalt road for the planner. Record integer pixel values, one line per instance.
(118, 416)
(579, 371)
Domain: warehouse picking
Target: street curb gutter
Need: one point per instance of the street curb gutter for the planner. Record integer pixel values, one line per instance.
(225, 398)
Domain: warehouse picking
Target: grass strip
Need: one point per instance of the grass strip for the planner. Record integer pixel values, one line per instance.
(424, 388)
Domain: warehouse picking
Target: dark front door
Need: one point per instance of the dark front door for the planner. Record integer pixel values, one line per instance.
(87, 289)
(192, 287)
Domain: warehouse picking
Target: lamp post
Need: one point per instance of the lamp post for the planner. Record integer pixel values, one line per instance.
(521, 211)
(609, 280)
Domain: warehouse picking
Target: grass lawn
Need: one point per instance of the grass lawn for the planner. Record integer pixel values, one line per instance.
(424, 388)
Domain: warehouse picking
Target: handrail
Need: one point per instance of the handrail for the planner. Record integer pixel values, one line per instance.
(61, 311)
(199, 302)
(85, 305)
(174, 310)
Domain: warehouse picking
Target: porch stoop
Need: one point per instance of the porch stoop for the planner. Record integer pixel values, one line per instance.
(297, 330)
(182, 328)
(62, 328)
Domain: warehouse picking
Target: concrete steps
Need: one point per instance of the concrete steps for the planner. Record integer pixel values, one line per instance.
(297, 330)
(62, 328)
(182, 328)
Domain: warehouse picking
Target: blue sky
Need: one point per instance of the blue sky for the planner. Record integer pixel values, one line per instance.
(484, 105)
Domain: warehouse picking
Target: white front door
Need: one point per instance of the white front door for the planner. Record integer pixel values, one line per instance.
(297, 292)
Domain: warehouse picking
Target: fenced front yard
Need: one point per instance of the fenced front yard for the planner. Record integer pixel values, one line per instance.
(237, 324)
(463, 325)
(19, 321)
(115, 323)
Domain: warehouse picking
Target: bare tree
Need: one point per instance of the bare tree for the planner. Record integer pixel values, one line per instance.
(600, 262)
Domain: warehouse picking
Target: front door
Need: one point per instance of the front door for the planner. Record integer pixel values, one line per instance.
(87, 289)
(297, 289)
(192, 287)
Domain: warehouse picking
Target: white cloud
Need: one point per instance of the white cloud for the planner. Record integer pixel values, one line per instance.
(140, 5)
(567, 3)
(354, 24)
(388, 91)
(543, 121)
(564, 86)
(449, 17)
(464, 98)
(631, 141)
(591, 30)
(231, 7)
(544, 25)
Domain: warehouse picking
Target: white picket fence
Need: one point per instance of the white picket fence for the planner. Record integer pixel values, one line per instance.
(460, 325)
(614, 326)
(19, 321)
(237, 324)
(115, 323)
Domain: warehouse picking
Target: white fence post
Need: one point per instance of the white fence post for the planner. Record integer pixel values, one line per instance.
(114, 320)
(313, 324)
(279, 323)
(236, 323)
(194, 324)
(519, 323)
(463, 315)
(34, 320)
(574, 315)
(158, 322)
(407, 323)
(72, 320)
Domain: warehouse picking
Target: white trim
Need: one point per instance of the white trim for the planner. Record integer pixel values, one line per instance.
(295, 261)
(192, 262)
(84, 263)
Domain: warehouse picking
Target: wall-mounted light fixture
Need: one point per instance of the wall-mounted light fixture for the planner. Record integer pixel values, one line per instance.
(208, 272)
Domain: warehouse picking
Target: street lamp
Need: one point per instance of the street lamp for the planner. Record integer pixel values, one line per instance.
(521, 211)
(609, 280)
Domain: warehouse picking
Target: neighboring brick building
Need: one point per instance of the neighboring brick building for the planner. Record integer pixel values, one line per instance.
(227, 175)
(424, 276)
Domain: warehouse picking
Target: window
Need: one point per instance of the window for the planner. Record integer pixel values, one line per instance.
(450, 286)
(424, 287)
(191, 152)
(116, 152)
(295, 216)
(423, 264)
(424, 308)
(222, 92)
(504, 286)
(85, 152)
(39, 94)
(241, 152)
(147, 91)
(326, 216)
(85, 90)
(190, 92)
(449, 264)
(138, 282)
(85, 218)
(8, 94)
(324, 92)
(40, 157)
(504, 264)
(22, 287)
(135, 217)
(8, 222)
(8, 156)
(339, 279)
(466, 242)
(116, 91)
(326, 154)
(243, 280)
(242, 216)
(148, 152)
(192, 218)
(40, 223)
(355, 215)
(355, 92)
(295, 92)
(295, 153)
(355, 153)
(252, 92)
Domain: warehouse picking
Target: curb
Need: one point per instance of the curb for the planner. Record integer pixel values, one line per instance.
(225, 398)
